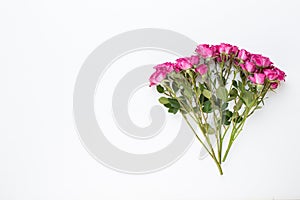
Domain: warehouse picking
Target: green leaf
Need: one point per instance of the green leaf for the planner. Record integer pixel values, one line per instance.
(196, 109)
(183, 102)
(230, 99)
(238, 105)
(175, 86)
(224, 106)
(228, 113)
(168, 105)
(202, 99)
(201, 86)
(248, 98)
(224, 80)
(187, 93)
(160, 89)
(226, 116)
(227, 122)
(233, 93)
(207, 107)
(163, 100)
(243, 77)
(173, 110)
(222, 93)
(241, 86)
(234, 83)
(206, 93)
(174, 103)
(216, 102)
(238, 119)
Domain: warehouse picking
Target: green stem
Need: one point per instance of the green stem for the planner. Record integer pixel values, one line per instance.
(211, 153)
(219, 167)
(220, 151)
(261, 99)
(227, 150)
(198, 138)
(235, 132)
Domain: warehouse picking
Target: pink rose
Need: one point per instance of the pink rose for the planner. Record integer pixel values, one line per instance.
(250, 67)
(161, 72)
(214, 49)
(194, 60)
(274, 85)
(260, 60)
(258, 78)
(166, 67)
(243, 54)
(202, 69)
(281, 74)
(234, 50)
(225, 48)
(271, 74)
(204, 50)
(156, 77)
(182, 64)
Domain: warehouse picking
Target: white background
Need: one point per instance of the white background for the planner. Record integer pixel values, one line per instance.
(42, 47)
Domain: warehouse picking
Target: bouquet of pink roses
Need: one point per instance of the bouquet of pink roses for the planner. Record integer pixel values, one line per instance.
(216, 90)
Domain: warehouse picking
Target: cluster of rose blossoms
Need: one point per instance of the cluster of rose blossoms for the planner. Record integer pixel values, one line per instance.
(258, 68)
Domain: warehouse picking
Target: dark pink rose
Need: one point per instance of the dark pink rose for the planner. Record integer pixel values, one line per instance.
(214, 49)
(243, 54)
(274, 85)
(194, 60)
(234, 50)
(260, 60)
(250, 67)
(202, 69)
(204, 51)
(182, 64)
(281, 74)
(225, 48)
(258, 78)
(271, 74)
